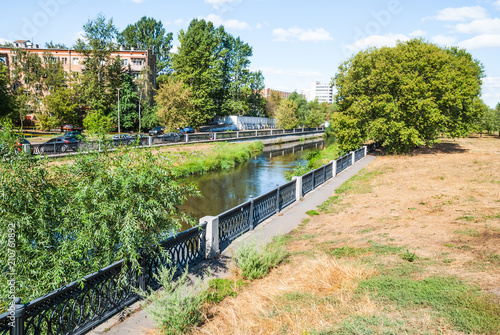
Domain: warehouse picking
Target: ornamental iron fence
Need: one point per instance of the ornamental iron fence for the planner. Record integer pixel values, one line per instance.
(83, 304)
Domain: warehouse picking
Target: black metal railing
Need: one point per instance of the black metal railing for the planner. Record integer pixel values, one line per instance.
(233, 223)
(287, 194)
(344, 162)
(359, 153)
(307, 183)
(5, 324)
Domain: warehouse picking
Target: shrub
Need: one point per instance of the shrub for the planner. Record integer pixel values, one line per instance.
(256, 265)
(178, 306)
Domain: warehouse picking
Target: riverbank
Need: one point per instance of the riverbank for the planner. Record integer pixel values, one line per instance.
(409, 245)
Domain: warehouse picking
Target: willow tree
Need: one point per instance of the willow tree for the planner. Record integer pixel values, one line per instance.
(406, 96)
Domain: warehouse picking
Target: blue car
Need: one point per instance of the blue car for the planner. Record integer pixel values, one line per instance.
(186, 130)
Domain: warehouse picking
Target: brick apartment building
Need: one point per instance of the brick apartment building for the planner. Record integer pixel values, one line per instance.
(134, 61)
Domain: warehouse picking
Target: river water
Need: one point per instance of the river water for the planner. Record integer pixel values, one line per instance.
(223, 190)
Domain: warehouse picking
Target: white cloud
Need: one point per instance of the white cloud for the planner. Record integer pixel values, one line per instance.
(258, 26)
(417, 33)
(485, 41)
(388, 40)
(443, 40)
(497, 4)
(460, 14)
(235, 24)
(79, 35)
(137, 1)
(218, 4)
(4, 41)
(174, 49)
(491, 90)
(296, 33)
(484, 26)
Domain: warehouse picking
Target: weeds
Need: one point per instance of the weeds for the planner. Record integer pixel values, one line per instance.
(312, 212)
(256, 265)
(177, 307)
(409, 256)
(218, 289)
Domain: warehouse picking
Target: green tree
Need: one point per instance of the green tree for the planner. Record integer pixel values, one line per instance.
(129, 102)
(52, 45)
(491, 120)
(197, 65)
(272, 103)
(286, 116)
(303, 109)
(147, 33)
(97, 124)
(62, 104)
(406, 96)
(174, 104)
(315, 118)
(78, 218)
(6, 99)
(102, 75)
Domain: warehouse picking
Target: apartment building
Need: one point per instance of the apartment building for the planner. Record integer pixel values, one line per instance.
(266, 93)
(133, 61)
(321, 92)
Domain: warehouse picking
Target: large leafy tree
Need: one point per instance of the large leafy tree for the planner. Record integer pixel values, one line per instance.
(102, 75)
(62, 105)
(147, 33)
(406, 95)
(129, 103)
(198, 65)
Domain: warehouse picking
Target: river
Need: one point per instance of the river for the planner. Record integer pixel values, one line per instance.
(223, 190)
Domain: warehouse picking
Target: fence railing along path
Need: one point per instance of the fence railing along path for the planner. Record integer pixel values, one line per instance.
(61, 148)
(82, 305)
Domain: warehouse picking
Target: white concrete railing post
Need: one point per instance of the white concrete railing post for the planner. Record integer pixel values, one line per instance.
(187, 138)
(298, 187)
(366, 150)
(211, 236)
(237, 134)
(215, 136)
(150, 141)
(334, 168)
(352, 157)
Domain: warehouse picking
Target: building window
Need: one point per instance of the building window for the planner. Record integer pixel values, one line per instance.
(124, 62)
(64, 61)
(3, 59)
(76, 61)
(137, 61)
(136, 75)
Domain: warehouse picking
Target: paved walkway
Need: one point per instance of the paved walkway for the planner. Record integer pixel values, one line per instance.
(140, 322)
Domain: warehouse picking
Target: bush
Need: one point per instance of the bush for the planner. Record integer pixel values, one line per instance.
(256, 265)
(178, 306)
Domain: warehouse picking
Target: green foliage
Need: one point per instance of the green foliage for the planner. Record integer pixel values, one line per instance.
(469, 309)
(97, 85)
(178, 307)
(312, 212)
(75, 219)
(409, 256)
(129, 104)
(219, 288)
(347, 251)
(145, 34)
(256, 265)
(175, 109)
(52, 45)
(6, 99)
(285, 114)
(406, 95)
(62, 105)
(223, 156)
(214, 65)
(491, 120)
(97, 124)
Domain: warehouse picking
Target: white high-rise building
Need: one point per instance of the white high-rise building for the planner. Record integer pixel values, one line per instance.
(322, 92)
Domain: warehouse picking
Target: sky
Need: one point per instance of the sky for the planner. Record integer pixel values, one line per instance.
(294, 42)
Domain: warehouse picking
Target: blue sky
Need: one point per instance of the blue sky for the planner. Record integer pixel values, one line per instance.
(294, 42)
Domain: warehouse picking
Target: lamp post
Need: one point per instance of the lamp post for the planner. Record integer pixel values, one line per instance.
(140, 98)
(119, 88)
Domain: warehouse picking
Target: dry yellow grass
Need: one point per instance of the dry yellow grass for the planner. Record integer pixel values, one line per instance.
(442, 203)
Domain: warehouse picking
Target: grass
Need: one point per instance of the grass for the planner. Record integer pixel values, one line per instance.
(467, 308)
(468, 232)
(219, 288)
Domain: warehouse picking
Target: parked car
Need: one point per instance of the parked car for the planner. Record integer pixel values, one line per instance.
(186, 130)
(70, 127)
(58, 144)
(171, 137)
(156, 131)
(77, 135)
(120, 139)
(20, 142)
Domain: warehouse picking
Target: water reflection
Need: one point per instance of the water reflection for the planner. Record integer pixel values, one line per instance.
(224, 190)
